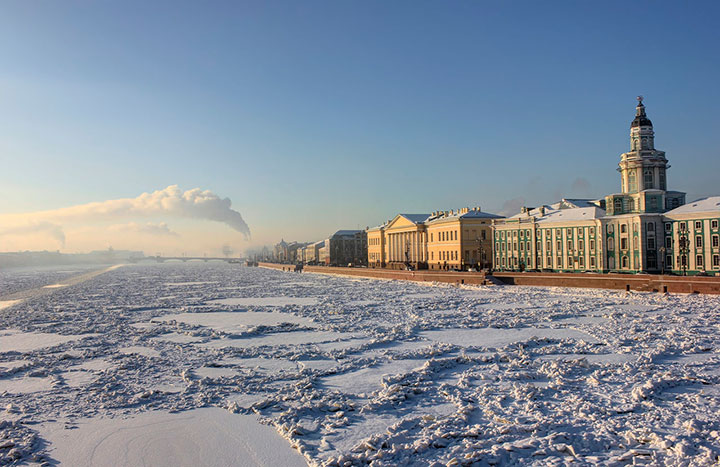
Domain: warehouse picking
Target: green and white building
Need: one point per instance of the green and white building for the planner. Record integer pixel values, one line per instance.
(644, 228)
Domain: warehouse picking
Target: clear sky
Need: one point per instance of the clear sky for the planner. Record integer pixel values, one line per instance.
(315, 116)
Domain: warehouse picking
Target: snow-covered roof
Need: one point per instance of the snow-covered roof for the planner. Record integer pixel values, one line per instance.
(572, 214)
(346, 232)
(460, 214)
(560, 212)
(577, 203)
(711, 203)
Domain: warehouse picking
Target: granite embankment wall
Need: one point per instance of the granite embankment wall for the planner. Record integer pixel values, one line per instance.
(635, 282)
(451, 277)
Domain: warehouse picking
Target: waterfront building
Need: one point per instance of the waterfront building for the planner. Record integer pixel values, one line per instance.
(634, 223)
(692, 238)
(347, 247)
(406, 241)
(564, 237)
(312, 252)
(644, 228)
(459, 239)
(376, 246)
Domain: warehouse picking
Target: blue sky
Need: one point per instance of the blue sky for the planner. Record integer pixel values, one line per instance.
(314, 116)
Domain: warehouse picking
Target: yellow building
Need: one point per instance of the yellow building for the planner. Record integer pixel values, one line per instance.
(405, 241)
(460, 239)
(442, 240)
(376, 246)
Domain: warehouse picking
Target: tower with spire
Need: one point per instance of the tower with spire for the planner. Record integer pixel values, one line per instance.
(643, 173)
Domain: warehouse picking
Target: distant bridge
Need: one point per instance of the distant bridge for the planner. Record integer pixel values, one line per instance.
(162, 259)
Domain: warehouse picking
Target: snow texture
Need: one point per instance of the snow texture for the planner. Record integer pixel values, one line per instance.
(338, 371)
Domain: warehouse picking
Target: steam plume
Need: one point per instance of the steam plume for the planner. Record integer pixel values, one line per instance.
(171, 201)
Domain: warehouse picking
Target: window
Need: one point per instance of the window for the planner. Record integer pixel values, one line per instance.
(515, 246)
(559, 245)
(668, 226)
(663, 185)
(549, 245)
(698, 241)
(569, 231)
(623, 228)
(431, 236)
(716, 261)
(648, 178)
(631, 204)
(580, 232)
(549, 261)
(432, 255)
(632, 181)
(623, 244)
(581, 262)
(515, 233)
(714, 224)
(522, 246)
(611, 244)
(522, 233)
(592, 245)
(618, 205)
(482, 234)
(581, 245)
(715, 241)
(651, 227)
(651, 243)
(668, 242)
(624, 262)
(683, 226)
(527, 246)
(592, 262)
(635, 243)
(570, 245)
(668, 262)
(698, 225)
(610, 228)
(699, 260)
(635, 227)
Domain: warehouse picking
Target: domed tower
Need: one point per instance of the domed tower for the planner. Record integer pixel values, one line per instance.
(643, 173)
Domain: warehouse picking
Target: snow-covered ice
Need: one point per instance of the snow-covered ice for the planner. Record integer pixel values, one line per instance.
(218, 364)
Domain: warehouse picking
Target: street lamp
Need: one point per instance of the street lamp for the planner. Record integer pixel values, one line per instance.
(683, 244)
(662, 258)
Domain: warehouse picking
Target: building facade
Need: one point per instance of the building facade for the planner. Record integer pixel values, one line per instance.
(406, 241)
(348, 247)
(644, 228)
(460, 239)
(376, 246)
(691, 243)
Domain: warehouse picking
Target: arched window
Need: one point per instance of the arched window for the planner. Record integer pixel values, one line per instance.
(624, 262)
(648, 178)
(618, 205)
(663, 183)
(632, 181)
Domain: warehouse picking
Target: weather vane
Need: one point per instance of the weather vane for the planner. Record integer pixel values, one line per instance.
(640, 99)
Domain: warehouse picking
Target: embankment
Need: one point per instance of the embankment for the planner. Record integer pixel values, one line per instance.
(634, 282)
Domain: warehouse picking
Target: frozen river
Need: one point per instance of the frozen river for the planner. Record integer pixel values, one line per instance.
(218, 364)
